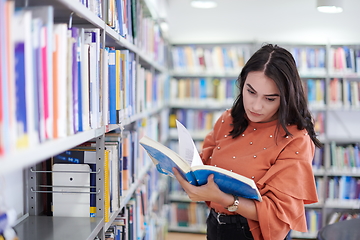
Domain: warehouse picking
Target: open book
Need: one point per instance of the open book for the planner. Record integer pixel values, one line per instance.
(190, 166)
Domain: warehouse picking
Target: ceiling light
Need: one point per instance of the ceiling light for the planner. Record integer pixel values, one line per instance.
(203, 4)
(329, 6)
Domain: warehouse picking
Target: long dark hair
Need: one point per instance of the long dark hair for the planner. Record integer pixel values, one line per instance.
(278, 64)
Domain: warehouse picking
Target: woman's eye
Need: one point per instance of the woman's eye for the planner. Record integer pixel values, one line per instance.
(271, 99)
(251, 91)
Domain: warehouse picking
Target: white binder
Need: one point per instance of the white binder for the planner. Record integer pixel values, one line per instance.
(69, 204)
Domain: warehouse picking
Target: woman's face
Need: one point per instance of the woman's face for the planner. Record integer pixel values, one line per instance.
(261, 97)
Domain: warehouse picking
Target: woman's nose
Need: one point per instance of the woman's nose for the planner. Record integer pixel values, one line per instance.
(257, 104)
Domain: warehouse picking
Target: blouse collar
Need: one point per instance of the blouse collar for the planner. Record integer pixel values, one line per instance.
(258, 125)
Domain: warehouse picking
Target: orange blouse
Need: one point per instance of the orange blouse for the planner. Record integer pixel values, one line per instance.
(280, 166)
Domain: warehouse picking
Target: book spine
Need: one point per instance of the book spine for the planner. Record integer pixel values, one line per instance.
(92, 190)
(112, 87)
(106, 186)
(105, 82)
(22, 137)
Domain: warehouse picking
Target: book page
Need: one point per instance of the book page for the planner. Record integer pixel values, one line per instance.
(187, 148)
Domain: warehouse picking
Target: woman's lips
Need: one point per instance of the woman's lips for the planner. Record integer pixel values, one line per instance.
(255, 114)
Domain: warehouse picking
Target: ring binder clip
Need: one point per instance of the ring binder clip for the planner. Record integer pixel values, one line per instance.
(72, 192)
(66, 186)
(42, 171)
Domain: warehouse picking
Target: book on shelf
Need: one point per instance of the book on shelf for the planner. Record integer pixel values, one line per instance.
(21, 50)
(74, 34)
(140, 89)
(122, 223)
(84, 99)
(119, 69)
(104, 61)
(125, 84)
(46, 16)
(113, 117)
(132, 163)
(59, 78)
(92, 38)
(107, 208)
(335, 93)
(190, 166)
(70, 81)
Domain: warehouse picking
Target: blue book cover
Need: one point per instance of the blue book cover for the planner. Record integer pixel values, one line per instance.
(310, 55)
(311, 91)
(120, 16)
(228, 64)
(348, 62)
(74, 31)
(203, 88)
(166, 159)
(228, 182)
(21, 121)
(321, 57)
(80, 87)
(129, 21)
(112, 87)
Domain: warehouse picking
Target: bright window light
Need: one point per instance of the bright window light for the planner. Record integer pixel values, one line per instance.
(203, 4)
(329, 6)
(330, 9)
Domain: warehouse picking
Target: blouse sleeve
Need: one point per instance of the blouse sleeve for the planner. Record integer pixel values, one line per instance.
(285, 188)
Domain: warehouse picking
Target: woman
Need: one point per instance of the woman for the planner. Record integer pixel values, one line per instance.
(268, 136)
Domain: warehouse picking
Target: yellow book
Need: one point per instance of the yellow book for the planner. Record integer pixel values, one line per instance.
(208, 121)
(106, 186)
(111, 14)
(313, 221)
(189, 54)
(182, 89)
(124, 84)
(218, 58)
(320, 100)
(221, 90)
(172, 120)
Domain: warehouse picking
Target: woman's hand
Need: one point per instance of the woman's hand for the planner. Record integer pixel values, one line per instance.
(208, 192)
(211, 192)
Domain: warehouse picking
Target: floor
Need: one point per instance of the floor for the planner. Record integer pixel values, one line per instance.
(187, 236)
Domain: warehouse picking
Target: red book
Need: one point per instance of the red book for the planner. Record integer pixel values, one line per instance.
(55, 86)
(44, 78)
(1, 108)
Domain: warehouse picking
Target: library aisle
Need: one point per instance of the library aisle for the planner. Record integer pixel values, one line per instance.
(187, 236)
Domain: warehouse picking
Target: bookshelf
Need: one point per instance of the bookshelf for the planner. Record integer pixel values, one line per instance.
(59, 100)
(330, 75)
